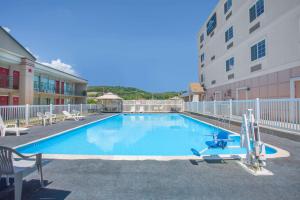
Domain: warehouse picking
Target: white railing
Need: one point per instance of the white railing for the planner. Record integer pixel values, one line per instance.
(275, 113)
(27, 114)
(152, 106)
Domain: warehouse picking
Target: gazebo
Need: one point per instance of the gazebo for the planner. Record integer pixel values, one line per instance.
(111, 102)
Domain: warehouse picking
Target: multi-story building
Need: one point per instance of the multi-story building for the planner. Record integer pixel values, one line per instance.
(23, 80)
(251, 49)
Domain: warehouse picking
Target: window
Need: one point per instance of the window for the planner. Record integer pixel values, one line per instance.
(261, 49)
(227, 6)
(256, 10)
(258, 50)
(229, 34)
(36, 83)
(229, 64)
(202, 57)
(201, 37)
(254, 52)
(202, 78)
(211, 24)
(252, 13)
(260, 7)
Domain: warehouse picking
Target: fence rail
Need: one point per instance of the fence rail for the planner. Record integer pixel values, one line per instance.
(275, 113)
(27, 114)
(152, 106)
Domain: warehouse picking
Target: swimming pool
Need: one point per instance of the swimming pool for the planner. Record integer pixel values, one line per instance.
(138, 135)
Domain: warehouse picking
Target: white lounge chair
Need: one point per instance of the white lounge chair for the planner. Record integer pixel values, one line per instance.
(68, 115)
(132, 109)
(77, 113)
(43, 118)
(141, 109)
(18, 168)
(10, 128)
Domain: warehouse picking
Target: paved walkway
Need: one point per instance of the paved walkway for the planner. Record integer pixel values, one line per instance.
(190, 179)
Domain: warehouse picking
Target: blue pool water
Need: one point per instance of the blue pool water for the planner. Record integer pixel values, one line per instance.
(138, 134)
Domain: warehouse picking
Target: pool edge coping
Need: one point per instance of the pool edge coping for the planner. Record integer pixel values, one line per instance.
(279, 154)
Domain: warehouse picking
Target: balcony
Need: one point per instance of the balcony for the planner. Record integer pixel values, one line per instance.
(9, 82)
(51, 89)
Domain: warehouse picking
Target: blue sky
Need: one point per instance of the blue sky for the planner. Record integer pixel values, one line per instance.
(149, 44)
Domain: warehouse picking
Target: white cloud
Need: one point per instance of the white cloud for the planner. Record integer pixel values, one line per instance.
(6, 28)
(58, 64)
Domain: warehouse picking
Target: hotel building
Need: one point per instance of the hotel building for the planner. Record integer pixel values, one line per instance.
(23, 80)
(251, 49)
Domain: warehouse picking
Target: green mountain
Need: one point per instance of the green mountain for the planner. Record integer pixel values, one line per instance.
(129, 93)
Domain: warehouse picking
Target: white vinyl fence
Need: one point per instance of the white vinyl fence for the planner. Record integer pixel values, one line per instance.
(27, 114)
(276, 113)
(152, 106)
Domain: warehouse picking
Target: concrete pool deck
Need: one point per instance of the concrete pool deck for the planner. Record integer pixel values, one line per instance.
(177, 179)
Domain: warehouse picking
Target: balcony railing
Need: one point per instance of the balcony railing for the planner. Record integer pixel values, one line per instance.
(51, 89)
(9, 82)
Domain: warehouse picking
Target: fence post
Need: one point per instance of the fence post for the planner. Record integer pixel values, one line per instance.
(69, 107)
(51, 111)
(230, 108)
(257, 111)
(215, 110)
(80, 108)
(27, 114)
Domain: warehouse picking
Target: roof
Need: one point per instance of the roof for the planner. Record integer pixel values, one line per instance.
(52, 68)
(196, 88)
(109, 96)
(39, 65)
(18, 43)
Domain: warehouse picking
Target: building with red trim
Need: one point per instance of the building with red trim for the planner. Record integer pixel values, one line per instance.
(23, 80)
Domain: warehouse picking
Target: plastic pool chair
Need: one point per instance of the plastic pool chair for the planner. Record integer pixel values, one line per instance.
(52, 117)
(10, 128)
(18, 168)
(42, 117)
(220, 140)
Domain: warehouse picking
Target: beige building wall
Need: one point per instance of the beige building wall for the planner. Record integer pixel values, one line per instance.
(279, 26)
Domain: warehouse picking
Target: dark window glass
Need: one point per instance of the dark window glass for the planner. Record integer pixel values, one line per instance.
(229, 34)
(229, 64)
(202, 57)
(252, 13)
(253, 52)
(202, 37)
(256, 10)
(260, 7)
(211, 24)
(227, 6)
(261, 49)
(258, 50)
(202, 78)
